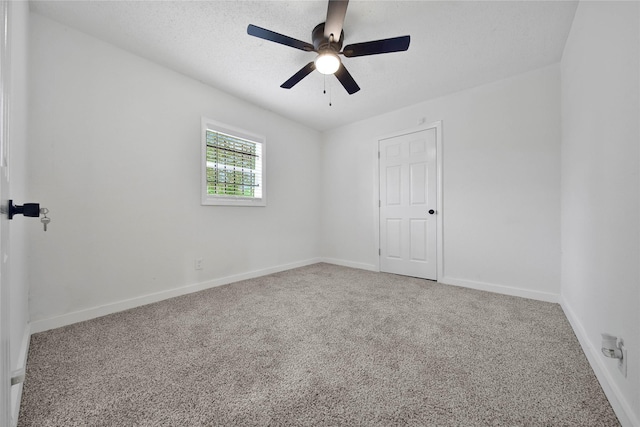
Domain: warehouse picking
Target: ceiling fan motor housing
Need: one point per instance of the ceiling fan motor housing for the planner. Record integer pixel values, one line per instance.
(321, 43)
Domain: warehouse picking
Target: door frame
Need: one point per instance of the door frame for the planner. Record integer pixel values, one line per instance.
(439, 194)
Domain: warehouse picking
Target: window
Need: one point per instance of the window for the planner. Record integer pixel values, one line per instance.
(233, 166)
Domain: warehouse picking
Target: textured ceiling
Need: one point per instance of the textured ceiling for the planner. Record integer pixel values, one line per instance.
(454, 46)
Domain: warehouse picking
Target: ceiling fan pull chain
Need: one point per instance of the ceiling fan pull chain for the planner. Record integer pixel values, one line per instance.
(324, 89)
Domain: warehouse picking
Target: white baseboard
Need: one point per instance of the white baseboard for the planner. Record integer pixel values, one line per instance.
(16, 390)
(489, 287)
(93, 312)
(620, 405)
(352, 264)
(501, 289)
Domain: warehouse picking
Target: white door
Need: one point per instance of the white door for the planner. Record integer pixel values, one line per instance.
(408, 195)
(5, 374)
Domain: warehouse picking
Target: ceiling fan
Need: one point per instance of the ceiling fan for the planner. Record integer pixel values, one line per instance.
(327, 41)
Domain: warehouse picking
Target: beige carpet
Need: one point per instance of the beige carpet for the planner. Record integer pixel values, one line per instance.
(318, 346)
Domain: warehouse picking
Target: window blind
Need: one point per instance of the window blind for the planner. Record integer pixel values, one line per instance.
(234, 166)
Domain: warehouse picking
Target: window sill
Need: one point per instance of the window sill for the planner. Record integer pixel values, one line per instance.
(232, 201)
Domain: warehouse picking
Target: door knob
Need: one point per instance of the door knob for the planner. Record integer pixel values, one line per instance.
(27, 209)
(431, 211)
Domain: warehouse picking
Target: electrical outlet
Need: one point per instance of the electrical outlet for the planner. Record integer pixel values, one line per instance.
(199, 264)
(622, 363)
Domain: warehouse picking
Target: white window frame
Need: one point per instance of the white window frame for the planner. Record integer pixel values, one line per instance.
(217, 200)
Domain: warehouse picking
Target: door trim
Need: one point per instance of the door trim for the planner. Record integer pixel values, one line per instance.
(439, 194)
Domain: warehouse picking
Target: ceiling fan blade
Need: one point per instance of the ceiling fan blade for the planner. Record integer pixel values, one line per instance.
(336, 12)
(396, 44)
(346, 80)
(265, 34)
(304, 72)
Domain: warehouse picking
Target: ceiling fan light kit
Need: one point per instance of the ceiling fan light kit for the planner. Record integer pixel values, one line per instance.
(327, 62)
(328, 47)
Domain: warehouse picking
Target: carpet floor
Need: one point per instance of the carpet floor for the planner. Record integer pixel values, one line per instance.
(321, 345)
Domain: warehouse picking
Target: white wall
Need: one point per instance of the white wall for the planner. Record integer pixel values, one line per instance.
(115, 155)
(601, 190)
(501, 185)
